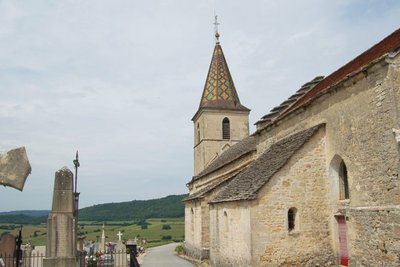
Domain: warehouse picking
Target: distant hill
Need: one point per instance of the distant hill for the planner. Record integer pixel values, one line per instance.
(32, 213)
(22, 219)
(166, 207)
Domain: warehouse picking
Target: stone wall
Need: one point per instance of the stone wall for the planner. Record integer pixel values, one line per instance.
(230, 233)
(300, 184)
(375, 237)
(193, 226)
(360, 115)
(209, 125)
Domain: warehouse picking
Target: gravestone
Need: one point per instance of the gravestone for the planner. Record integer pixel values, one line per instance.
(14, 168)
(102, 248)
(120, 252)
(27, 256)
(61, 238)
(7, 249)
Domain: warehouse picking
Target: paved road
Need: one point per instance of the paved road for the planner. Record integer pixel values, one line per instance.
(164, 256)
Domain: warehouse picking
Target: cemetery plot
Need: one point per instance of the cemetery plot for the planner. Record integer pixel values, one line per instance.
(153, 232)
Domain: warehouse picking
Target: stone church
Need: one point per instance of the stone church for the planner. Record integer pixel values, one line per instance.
(317, 183)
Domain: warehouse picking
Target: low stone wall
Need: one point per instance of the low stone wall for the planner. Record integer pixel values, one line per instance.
(196, 253)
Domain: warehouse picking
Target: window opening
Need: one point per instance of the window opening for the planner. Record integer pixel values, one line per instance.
(226, 131)
(343, 182)
(291, 219)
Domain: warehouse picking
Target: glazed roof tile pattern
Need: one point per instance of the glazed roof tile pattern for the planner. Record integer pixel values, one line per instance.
(219, 89)
(247, 183)
(238, 150)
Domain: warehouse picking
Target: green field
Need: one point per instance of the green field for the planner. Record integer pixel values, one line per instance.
(155, 235)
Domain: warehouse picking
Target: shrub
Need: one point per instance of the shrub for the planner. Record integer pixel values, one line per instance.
(144, 226)
(166, 227)
(180, 250)
(143, 222)
(166, 237)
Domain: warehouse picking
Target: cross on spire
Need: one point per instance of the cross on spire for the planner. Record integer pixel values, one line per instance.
(216, 23)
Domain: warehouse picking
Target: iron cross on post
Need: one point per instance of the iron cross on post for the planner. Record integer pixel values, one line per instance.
(76, 194)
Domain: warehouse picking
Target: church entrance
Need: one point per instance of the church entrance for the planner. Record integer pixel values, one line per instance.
(343, 253)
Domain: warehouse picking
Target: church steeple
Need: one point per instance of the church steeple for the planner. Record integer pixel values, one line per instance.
(219, 90)
(221, 120)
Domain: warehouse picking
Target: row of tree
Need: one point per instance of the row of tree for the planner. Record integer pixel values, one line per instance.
(136, 210)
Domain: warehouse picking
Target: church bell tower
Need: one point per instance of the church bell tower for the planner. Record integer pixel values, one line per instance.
(221, 120)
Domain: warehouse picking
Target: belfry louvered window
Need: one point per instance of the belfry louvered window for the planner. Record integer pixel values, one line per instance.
(343, 182)
(226, 129)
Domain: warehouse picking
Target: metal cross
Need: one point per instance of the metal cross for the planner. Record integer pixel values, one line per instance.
(216, 24)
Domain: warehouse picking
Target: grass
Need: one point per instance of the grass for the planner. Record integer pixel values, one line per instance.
(92, 230)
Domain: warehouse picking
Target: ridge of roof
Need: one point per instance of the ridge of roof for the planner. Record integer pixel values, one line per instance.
(245, 185)
(278, 110)
(385, 46)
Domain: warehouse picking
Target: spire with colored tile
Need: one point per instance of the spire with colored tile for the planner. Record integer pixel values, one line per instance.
(219, 90)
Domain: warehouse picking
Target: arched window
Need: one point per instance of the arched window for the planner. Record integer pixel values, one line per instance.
(343, 182)
(291, 219)
(226, 129)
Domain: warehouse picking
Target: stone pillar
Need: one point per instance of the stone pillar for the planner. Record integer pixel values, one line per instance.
(61, 236)
(102, 248)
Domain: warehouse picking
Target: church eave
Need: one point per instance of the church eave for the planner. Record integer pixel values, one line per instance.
(240, 108)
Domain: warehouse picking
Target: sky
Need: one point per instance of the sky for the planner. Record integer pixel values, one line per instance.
(120, 81)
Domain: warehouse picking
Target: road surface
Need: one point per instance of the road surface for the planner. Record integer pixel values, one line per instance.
(164, 256)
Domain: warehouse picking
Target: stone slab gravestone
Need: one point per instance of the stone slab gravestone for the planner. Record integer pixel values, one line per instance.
(7, 249)
(120, 253)
(14, 168)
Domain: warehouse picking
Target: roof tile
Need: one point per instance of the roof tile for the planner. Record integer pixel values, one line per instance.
(247, 183)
